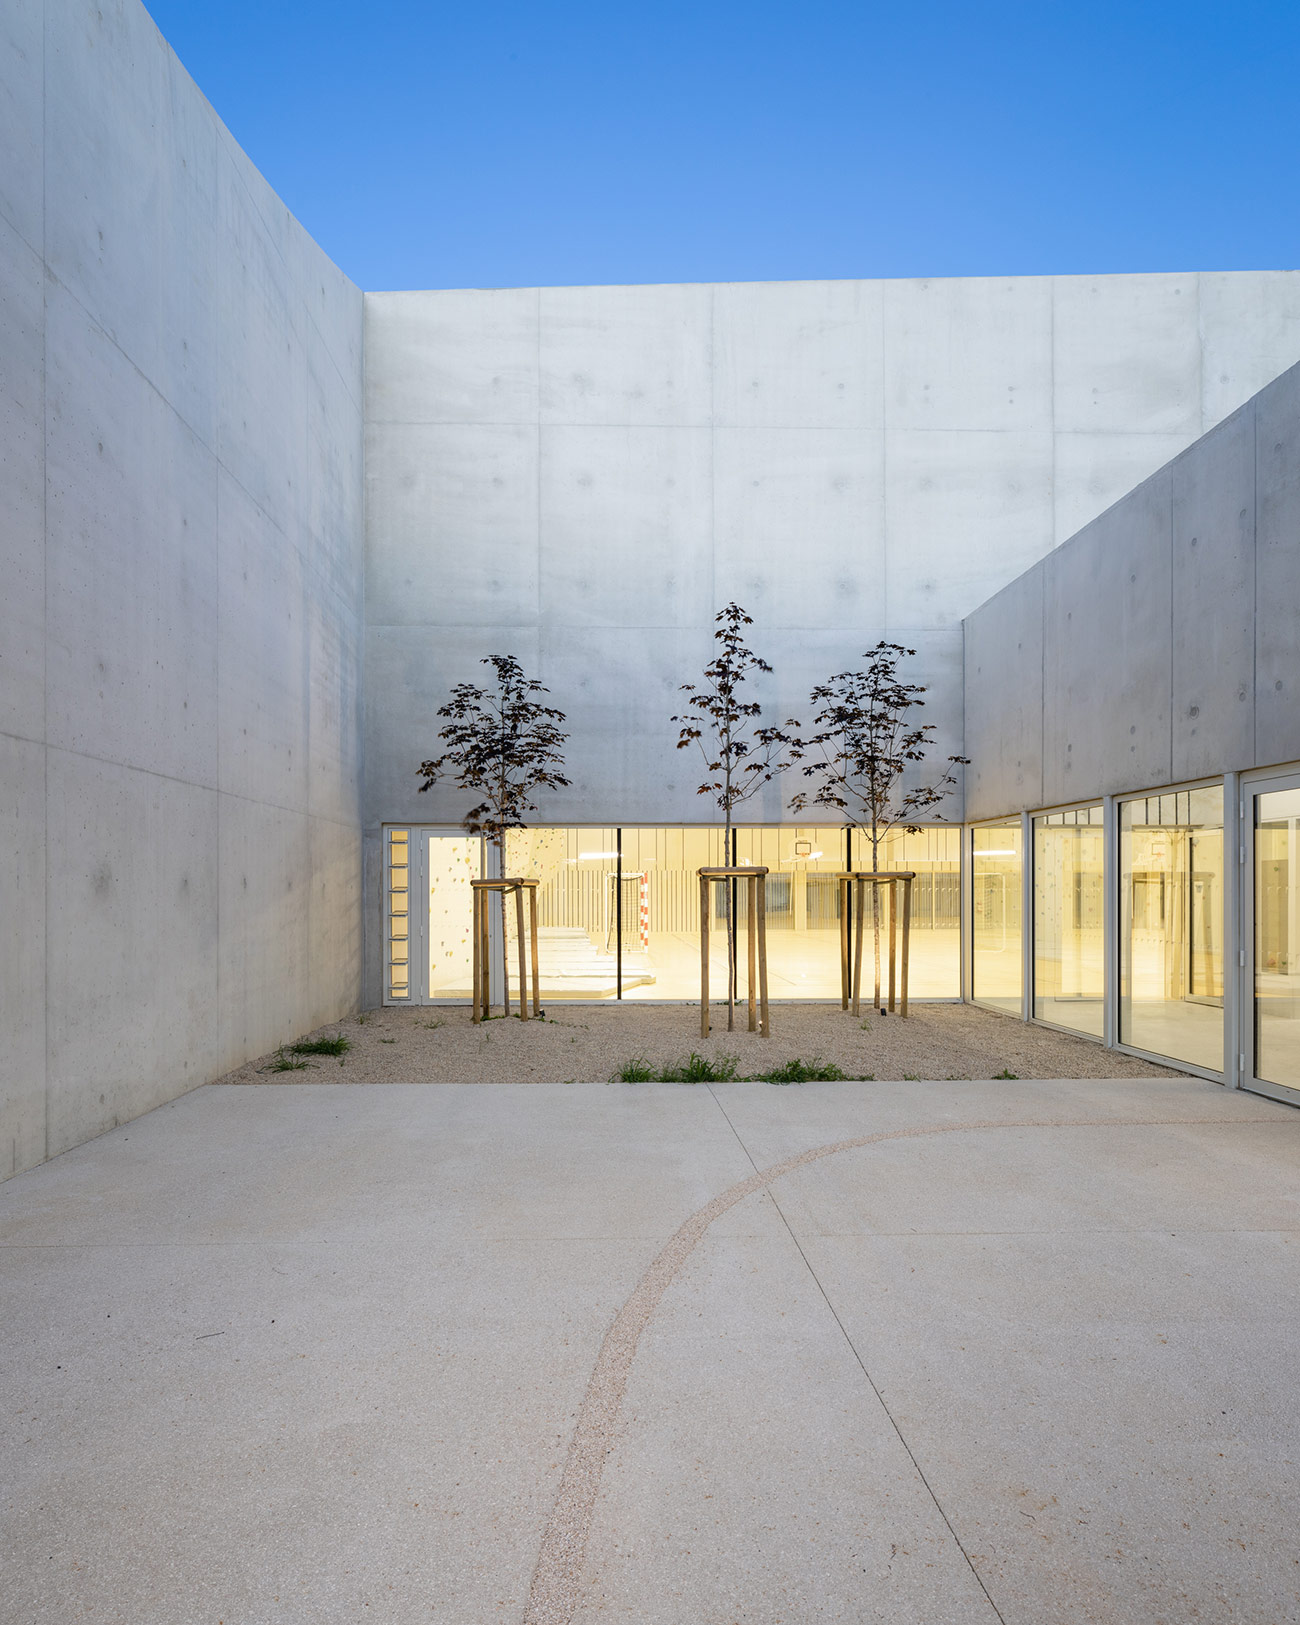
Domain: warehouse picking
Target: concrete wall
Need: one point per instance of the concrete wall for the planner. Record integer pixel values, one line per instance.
(581, 476)
(1159, 644)
(181, 534)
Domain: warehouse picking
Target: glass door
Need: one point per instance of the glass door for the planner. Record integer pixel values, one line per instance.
(1273, 1065)
(428, 913)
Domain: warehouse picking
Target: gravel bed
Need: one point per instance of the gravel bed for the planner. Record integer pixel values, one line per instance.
(589, 1044)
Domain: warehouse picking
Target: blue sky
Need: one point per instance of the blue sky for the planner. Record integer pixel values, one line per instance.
(498, 143)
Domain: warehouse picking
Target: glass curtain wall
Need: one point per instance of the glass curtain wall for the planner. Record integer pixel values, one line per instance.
(1171, 925)
(803, 920)
(579, 911)
(448, 864)
(659, 869)
(624, 905)
(934, 854)
(997, 869)
(1069, 920)
(1277, 937)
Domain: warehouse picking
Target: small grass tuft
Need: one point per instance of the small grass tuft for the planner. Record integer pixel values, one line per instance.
(433, 1025)
(322, 1046)
(865, 1025)
(362, 1019)
(281, 1062)
(387, 1040)
(700, 1069)
(637, 1070)
(1006, 1074)
(800, 1071)
(911, 1077)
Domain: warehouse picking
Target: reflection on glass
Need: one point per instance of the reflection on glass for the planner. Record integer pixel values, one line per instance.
(1277, 938)
(1171, 925)
(997, 865)
(1069, 920)
(578, 911)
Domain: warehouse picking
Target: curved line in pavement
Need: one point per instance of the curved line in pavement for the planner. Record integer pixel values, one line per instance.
(554, 1593)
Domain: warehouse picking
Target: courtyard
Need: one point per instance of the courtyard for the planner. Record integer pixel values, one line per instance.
(931, 1351)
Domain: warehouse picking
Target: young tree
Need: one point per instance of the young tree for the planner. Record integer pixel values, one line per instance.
(867, 740)
(739, 755)
(503, 745)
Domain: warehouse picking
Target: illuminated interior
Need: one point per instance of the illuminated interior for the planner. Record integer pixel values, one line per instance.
(619, 917)
(1069, 920)
(1277, 937)
(619, 910)
(1171, 925)
(997, 877)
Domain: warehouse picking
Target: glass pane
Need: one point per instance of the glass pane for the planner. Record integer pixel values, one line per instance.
(997, 865)
(667, 965)
(578, 911)
(1069, 920)
(1171, 925)
(453, 861)
(1277, 938)
(803, 922)
(934, 854)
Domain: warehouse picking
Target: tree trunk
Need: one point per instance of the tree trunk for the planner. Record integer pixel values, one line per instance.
(500, 846)
(730, 892)
(875, 915)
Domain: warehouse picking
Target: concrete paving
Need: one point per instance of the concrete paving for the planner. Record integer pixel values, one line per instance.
(316, 1352)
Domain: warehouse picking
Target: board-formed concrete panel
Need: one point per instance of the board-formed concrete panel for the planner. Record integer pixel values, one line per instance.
(806, 355)
(969, 353)
(262, 359)
(1250, 322)
(1277, 571)
(1004, 700)
(622, 356)
(22, 466)
(454, 512)
(1213, 675)
(777, 494)
(625, 526)
(265, 901)
(22, 119)
(131, 561)
(106, 85)
(620, 688)
(1094, 471)
(409, 673)
(132, 943)
(953, 502)
(262, 658)
(1107, 652)
(335, 657)
(468, 357)
(1127, 355)
(22, 954)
